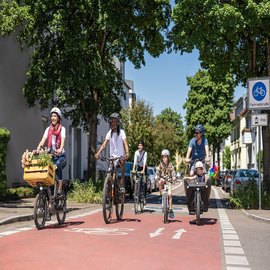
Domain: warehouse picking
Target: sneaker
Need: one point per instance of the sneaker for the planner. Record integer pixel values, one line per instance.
(144, 200)
(59, 193)
(122, 190)
(171, 213)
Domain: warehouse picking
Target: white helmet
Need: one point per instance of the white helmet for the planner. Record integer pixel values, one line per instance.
(57, 111)
(198, 164)
(165, 152)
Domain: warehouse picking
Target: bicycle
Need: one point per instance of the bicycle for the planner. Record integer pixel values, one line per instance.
(165, 201)
(198, 194)
(47, 205)
(112, 194)
(139, 195)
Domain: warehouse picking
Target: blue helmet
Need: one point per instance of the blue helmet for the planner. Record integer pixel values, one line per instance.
(199, 128)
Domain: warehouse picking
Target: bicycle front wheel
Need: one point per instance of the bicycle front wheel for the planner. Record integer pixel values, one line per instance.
(198, 207)
(107, 199)
(165, 208)
(141, 200)
(119, 202)
(61, 209)
(40, 210)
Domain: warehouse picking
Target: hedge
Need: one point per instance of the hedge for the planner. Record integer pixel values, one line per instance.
(4, 138)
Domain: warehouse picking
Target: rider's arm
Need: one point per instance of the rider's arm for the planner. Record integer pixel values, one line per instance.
(207, 153)
(44, 138)
(126, 148)
(102, 147)
(188, 154)
(144, 161)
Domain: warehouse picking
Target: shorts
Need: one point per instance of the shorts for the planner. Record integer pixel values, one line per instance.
(167, 183)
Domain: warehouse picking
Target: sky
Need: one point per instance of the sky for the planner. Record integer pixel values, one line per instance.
(162, 81)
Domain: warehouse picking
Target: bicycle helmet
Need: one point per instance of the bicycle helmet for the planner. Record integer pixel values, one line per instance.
(165, 152)
(57, 111)
(114, 116)
(199, 128)
(198, 164)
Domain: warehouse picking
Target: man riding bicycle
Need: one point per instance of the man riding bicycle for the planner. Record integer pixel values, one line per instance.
(198, 149)
(118, 144)
(165, 171)
(139, 165)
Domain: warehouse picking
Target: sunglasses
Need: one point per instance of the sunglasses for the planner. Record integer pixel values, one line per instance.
(197, 133)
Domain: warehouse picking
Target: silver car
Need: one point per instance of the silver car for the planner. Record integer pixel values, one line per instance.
(241, 176)
(151, 177)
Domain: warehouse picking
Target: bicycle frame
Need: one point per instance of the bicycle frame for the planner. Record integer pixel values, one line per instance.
(138, 191)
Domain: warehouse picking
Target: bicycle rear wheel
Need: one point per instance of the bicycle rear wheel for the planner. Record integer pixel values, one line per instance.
(107, 199)
(120, 201)
(198, 207)
(40, 210)
(61, 209)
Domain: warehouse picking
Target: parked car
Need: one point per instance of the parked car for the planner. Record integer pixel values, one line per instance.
(242, 176)
(151, 176)
(226, 182)
(128, 182)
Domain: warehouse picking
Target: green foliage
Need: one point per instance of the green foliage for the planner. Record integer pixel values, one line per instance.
(4, 138)
(247, 194)
(138, 122)
(226, 158)
(209, 103)
(235, 203)
(86, 192)
(21, 192)
(75, 46)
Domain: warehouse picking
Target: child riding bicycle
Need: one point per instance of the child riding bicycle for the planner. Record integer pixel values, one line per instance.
(165, 171)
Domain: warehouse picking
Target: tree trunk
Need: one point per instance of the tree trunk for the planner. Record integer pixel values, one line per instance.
(92, 147)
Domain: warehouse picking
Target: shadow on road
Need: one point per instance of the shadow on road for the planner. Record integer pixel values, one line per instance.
(204, 221)
(65, 225)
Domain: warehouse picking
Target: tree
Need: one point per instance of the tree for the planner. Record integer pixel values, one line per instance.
(138, 122)
(209, 103)
(173, 117)
(75, 45)
(226, 158)
(231, 36)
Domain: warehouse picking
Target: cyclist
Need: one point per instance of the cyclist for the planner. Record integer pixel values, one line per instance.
(199, 173)
(165, 169)
(140, 159)
(198, 149)
(118, 144)
(55, 135)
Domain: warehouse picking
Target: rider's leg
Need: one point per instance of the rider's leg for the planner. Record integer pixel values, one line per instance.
(122, 184)
(192, 170)
(160, 186)
(170, 201)
(60, 164)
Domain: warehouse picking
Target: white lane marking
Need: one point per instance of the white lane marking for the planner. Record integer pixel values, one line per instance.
(237, 268)
(101, 231)
(8, 233)
(178, 234)
(234, 254)
(156, 232)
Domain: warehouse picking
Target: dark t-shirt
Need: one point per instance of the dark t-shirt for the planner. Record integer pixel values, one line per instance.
(198, 150)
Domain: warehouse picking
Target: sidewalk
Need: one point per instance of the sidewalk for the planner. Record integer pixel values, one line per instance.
(22, 210)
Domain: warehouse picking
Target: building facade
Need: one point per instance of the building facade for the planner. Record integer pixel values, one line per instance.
(26, 125)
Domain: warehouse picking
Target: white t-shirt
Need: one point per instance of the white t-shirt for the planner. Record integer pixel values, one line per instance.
(116, 143)
(63, 135)
(140, 158)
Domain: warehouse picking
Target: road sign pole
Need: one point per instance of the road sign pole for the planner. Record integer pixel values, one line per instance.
(259, 166)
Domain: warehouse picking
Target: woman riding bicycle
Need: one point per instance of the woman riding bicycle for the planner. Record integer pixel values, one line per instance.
(139, 165)
(165, 171)
(55, 134)
(118, 144)
(198, 149)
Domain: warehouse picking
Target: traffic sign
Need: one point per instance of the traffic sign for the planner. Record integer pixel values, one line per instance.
(259, 120)
(258, 94)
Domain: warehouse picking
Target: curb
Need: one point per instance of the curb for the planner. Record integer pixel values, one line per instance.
(253, 216)
(29, 217)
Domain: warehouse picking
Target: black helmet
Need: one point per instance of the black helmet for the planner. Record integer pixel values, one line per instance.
(200, 128)
(114, 116)
(141, 142)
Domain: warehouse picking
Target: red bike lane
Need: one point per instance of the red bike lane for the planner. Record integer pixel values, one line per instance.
(138, 242)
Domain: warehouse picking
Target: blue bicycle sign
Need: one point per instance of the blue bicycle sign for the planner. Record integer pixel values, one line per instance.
(259, 91)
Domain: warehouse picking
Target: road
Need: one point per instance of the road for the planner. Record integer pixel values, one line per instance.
(227, 239)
